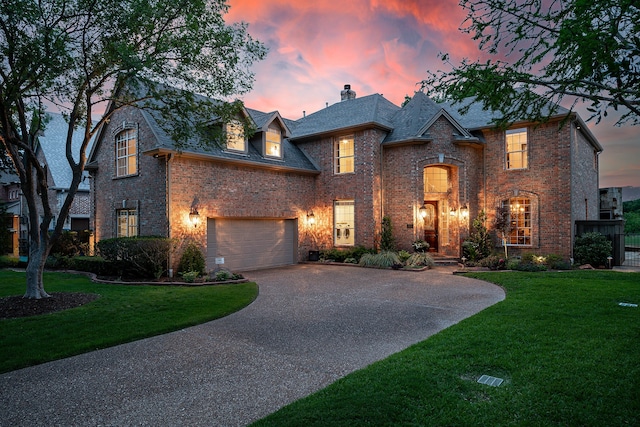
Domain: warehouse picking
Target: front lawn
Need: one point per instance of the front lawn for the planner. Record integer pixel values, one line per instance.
(123, 313)
(569, 355)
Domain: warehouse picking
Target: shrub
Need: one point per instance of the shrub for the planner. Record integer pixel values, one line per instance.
(350, 261)
(192, 259)
(385, 259)
(404, 256)
(189, 276)
(387, 242)
(135, 257)
(223, 275)
(91, 264)
(556, 262)
(494, 262)
(420, 245)
(419, 259)
(341, 255)
(592, 248)
(528, 266)
(479, 244)
(7, 261)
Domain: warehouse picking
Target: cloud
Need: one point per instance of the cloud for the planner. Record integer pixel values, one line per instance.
(377, 46)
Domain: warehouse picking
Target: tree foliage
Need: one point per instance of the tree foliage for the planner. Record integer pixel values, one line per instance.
(541, 51)
(79, 56)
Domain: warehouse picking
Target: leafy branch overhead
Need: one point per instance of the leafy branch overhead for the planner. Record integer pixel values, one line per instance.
(177, 58)
(537, 52)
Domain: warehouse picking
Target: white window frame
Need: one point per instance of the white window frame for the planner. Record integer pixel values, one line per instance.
(236, 141)
(126, 146)
(344, 222)
(128, 228)
(344, 149)
(521, 219)
(516, 149)
(273, 142)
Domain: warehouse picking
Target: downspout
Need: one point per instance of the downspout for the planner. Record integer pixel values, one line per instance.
(572, 138)
(167, 175)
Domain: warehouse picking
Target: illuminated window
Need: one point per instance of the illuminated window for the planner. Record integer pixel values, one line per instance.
(235, 137)
(343, 230)
(344, 155)
(126, 153)
(127, 223)
(436, 179)
(274, 142)
(520, 219)
(516, 145)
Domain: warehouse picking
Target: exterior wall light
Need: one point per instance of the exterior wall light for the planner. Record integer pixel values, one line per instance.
(311, 219)
(423, 211)
(453, 212)
(194, 216)
(464, 211)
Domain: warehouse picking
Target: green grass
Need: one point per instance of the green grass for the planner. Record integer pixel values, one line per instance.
(569, 354)
(121, 314)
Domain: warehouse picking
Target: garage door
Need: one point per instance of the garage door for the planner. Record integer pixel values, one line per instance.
(251, 244)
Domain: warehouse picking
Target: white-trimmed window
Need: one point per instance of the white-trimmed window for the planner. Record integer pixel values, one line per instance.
(236, 140)
(126, 153)
(436, 179)
(344, 154)
(127, 222)
(516, 148)
(343, 226)
(520, 219)
(273, 143)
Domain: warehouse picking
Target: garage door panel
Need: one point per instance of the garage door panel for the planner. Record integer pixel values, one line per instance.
(251, 244)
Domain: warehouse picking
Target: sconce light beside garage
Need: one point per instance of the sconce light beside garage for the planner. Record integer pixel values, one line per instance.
(453, 212)
(194, 216)
(311, 219)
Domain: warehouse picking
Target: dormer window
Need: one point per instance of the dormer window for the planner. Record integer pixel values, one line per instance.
(236, 140)
(273, 144)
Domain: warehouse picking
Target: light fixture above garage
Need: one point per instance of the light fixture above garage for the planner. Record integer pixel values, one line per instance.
(311, 219)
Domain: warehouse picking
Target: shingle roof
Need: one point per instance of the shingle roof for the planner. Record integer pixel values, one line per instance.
(372, 110)
(408, 121)
(53, 145)
(292, 157)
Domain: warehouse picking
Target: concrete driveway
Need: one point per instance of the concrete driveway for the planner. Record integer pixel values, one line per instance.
(310, 325)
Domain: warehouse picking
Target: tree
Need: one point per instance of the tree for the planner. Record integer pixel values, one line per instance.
(502, 224)
(542, 51)
(73, 55)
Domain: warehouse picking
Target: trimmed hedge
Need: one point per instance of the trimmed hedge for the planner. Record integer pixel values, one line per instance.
(135, 257)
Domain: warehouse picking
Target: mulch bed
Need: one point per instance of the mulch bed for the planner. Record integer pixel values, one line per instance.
(18, 306)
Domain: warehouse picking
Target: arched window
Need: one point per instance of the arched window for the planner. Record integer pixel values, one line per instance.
(126, 153)
(520, 220)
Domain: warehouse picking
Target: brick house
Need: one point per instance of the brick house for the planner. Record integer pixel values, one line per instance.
(328, 179)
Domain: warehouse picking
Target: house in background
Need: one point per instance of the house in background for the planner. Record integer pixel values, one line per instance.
(328, 179)
(12, 208)
(50, 150)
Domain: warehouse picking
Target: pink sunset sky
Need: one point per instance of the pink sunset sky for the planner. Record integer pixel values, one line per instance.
(378, 46)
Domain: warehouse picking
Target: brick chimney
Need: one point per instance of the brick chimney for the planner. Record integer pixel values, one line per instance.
(347, 93)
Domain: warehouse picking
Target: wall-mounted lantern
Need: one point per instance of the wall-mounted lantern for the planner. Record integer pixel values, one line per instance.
(453, 212)
(423, 211)
(194, 216)
(464, 212)
(311, 219)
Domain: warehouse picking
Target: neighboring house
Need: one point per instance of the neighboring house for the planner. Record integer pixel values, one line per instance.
(12, 208)
(50, 150)
(328, 179)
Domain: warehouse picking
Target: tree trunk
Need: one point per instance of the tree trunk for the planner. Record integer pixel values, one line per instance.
(35, 269)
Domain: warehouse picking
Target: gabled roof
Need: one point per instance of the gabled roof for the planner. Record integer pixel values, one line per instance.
(413, 121)
(263, 120)
(292, 158)
(53, 145)
(348, 115)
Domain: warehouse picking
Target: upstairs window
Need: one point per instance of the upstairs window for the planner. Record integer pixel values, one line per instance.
(236, 140)
(516, 149)
(273, 145)
(126, 153)
(436, 179)
(344, 155)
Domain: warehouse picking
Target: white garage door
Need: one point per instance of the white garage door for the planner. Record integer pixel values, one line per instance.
(250, 244)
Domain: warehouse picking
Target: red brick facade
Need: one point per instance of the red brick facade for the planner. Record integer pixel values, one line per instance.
(561, 183)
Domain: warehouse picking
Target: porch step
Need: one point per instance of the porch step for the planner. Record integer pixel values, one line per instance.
(445, 260)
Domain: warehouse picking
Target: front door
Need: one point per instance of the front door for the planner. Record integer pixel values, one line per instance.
(431, 225)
